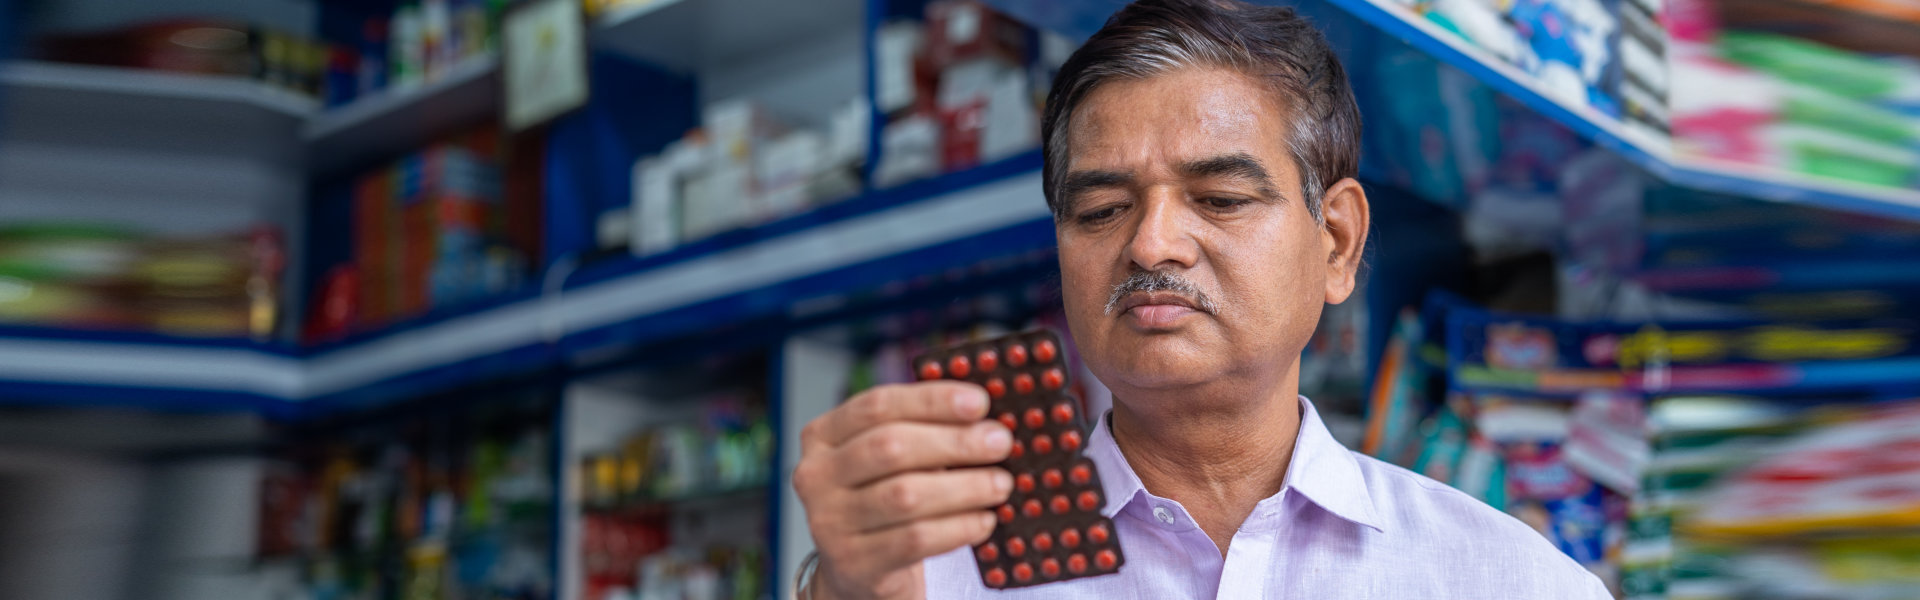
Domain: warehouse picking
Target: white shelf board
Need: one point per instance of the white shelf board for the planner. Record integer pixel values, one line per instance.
(151, 366)
(87, 108)
(685, 36)
(29, 81)
(394, 121)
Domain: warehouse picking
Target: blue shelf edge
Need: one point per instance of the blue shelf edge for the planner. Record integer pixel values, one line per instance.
(1698, 174)
(1080, 18)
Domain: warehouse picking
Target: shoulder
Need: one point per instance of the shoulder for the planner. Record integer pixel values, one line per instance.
(1458, 532)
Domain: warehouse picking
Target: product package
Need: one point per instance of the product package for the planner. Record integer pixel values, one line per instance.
(1051, 529)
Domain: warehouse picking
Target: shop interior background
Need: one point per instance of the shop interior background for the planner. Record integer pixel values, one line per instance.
(516, 299)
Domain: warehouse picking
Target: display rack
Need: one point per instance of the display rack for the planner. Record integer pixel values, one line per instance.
(761, 271)
(1649, 153)
(795, 288)
(394, 120)
(745, 274)
(1081, 17)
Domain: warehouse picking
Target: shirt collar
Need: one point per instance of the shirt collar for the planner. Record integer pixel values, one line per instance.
(1326, 472)
(1322, 471)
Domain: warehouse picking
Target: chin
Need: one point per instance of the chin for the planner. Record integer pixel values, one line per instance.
(1159, 362)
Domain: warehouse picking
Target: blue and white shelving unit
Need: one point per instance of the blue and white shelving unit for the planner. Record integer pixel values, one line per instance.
(766, 282)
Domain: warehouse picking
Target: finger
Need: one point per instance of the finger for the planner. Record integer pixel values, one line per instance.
(917, 495)
(899, 447)
(928, 401)
(907, 544)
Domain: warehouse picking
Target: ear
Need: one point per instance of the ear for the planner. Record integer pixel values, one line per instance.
(1344, 236)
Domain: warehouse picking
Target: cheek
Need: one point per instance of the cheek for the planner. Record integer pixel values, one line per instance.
(1083, 278)
(1272, 270)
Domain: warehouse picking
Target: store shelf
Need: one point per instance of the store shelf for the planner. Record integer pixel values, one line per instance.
(771, 271)
(369, 129)
(739, 498)
(1642, 148)
(68, 110)
(158, 95)
(686, 35)
(746, 275)
(1649, 151)
(174, 375)
(393, 121)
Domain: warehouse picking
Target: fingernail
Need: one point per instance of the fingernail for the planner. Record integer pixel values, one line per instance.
(1002, 482)
(969, 402)
(997, 438)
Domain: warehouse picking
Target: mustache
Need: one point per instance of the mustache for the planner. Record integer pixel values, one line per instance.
(1160, 281)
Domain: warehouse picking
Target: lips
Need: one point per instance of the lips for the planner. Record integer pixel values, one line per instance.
(1157, 311)
(1132, 301)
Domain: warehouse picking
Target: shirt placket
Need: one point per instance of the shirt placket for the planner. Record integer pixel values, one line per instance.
(1251, 559)
(1203, 559)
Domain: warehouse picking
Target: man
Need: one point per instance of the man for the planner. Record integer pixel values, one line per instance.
(1200, 158)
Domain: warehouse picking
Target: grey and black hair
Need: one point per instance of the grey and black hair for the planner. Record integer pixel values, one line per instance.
(1273, 44)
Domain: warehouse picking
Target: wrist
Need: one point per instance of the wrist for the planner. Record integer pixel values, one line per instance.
(820, 584)
(805, 578)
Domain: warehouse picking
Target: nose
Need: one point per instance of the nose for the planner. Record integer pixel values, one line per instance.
(1163, 235)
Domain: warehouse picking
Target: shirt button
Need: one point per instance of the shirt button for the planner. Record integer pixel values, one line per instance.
(1164, 515)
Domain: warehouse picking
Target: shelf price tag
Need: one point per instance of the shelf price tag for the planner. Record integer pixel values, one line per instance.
(546, 62)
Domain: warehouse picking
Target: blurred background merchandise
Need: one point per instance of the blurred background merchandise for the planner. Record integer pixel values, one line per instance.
(287, 311)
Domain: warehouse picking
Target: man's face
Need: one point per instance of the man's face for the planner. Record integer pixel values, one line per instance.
(1188, 175)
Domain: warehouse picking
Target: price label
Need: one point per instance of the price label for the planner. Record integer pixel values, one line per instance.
(545, 49)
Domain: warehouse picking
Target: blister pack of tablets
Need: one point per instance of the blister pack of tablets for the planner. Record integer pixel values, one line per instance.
(1051, 528)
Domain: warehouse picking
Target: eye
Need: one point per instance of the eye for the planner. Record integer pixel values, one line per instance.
(1223, 203)
(1095, 217)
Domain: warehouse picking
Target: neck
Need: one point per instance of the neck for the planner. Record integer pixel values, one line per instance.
(1217, 458)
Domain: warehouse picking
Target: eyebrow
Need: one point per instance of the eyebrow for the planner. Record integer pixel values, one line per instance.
(1239, 165)
(1081, 182)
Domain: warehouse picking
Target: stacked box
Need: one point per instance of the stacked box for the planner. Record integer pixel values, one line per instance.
(430, 231)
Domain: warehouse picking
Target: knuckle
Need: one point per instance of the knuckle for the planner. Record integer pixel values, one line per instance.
(804, 475)
(918, 539)
(871, 407)
(887, 451)
(826, 523)
(810, 434)
(901, 498)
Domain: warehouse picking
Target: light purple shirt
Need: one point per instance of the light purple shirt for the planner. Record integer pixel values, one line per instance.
(1343, 526)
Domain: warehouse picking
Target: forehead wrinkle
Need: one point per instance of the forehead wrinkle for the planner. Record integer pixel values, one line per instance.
(1199, 113)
